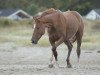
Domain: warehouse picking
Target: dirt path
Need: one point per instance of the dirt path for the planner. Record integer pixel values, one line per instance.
(35, 60)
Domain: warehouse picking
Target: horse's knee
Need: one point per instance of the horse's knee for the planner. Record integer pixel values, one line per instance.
(53, 49)
(55, 54)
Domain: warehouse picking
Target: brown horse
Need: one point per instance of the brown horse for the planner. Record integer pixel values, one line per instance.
(62, 27)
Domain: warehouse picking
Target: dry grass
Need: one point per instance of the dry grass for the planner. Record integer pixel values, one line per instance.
(20, 32)
(4, 22)
(91, 38)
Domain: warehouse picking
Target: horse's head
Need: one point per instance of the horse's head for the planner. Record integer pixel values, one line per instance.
(41, 23)
(38, 31)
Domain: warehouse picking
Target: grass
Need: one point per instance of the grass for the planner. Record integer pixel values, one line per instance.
(91, 38)
(20, 33)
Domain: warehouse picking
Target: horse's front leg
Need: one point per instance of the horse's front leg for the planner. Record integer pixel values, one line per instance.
(60, 41)
(51, 61)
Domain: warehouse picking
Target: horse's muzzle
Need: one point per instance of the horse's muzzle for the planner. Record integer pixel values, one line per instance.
(34, 42)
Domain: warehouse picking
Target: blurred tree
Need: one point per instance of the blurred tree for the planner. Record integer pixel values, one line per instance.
(32, 6)
(32, 9)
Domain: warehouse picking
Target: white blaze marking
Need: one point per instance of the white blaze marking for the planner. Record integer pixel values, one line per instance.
(34, 26)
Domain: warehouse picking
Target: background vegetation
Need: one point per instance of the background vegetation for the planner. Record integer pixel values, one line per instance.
(33, 6)
(20, 32)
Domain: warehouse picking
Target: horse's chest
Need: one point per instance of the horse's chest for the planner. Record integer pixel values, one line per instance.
(54, 35)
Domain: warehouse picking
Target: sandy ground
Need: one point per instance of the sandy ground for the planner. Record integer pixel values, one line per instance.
(34, 61)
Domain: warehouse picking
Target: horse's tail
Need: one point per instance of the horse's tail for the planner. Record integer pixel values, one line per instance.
(79, 17)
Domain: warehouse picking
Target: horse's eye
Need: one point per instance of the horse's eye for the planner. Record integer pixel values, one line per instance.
(37, 28)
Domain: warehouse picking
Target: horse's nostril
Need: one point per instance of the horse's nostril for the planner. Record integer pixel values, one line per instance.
(34, 42)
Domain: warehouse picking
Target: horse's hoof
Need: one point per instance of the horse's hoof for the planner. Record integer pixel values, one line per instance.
(51, 66)
(69, 66)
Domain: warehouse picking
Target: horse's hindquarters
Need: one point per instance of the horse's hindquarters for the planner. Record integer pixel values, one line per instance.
(73, 25)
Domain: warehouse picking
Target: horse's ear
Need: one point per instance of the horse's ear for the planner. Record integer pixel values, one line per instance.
(34, 17)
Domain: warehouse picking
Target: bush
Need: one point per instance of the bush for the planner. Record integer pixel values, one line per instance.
(5, 22)
(32, 9)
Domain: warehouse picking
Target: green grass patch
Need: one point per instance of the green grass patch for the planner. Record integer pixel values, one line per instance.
(4, 22)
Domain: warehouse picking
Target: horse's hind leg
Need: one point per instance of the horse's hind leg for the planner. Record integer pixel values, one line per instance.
(69, 45)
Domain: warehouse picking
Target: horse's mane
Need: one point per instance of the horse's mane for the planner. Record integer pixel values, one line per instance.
(48, 11)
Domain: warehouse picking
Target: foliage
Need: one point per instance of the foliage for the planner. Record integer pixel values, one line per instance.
(33, 6)
(20, 33)
(32, 9)
(4, 22)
